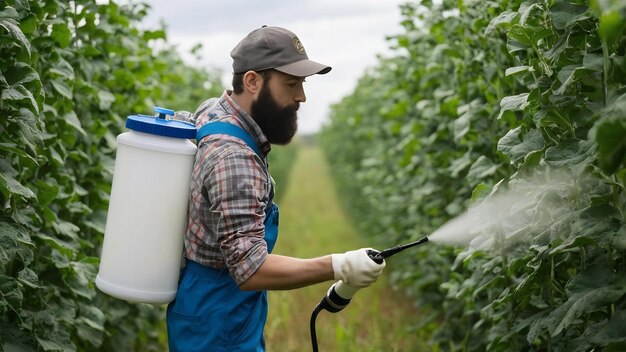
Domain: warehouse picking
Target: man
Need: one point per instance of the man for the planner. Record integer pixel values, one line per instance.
(221, 304)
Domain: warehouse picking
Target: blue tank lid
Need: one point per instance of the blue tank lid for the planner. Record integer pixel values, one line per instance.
(159, 125)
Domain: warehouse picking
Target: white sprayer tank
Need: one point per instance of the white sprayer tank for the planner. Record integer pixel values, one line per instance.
(147, 217)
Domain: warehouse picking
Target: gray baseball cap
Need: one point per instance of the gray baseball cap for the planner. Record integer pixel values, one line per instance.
(274, 47)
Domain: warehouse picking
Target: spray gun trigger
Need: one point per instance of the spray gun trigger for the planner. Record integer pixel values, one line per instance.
(375, 256)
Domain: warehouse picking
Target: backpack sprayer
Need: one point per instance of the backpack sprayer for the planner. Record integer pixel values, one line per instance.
(147, 215)
(340, 293)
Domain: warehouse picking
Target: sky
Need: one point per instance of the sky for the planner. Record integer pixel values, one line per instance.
(345, 34)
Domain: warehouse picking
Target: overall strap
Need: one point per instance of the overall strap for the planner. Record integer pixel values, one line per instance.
(219, 127)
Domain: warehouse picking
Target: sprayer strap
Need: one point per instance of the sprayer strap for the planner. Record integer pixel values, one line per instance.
(226, 128)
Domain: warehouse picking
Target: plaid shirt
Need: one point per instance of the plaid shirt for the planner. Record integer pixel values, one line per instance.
(230, 189)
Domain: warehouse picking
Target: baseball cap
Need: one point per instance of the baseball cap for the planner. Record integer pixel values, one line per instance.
(274, 47)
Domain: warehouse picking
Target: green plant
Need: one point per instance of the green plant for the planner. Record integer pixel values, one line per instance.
(483, 97)
(69, 73)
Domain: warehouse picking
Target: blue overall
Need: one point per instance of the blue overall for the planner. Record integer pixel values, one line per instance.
(210, 312)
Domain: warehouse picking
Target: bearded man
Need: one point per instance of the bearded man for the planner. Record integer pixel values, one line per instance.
(221, 303)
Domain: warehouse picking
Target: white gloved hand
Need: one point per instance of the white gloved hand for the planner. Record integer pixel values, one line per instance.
(356, 268)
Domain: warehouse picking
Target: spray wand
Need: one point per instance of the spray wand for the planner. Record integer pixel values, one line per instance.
(340, 293)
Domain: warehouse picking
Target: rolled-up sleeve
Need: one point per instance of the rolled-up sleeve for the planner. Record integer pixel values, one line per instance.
(237, 190)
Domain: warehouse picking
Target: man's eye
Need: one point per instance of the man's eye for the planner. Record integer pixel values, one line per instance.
(294, 83)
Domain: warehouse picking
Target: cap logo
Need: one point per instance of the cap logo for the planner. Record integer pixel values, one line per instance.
(297, 44)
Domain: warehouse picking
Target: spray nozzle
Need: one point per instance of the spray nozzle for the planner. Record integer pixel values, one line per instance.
(378, 257)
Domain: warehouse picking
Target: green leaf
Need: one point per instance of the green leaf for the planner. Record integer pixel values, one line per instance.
(19, 93)
(28, 24)
(90, 325)
(619, 241)
(68, 249)
(532, 160)
(61, 34)
(47, 191)
(483, 167)
(514, 103)
(62, 88)
(83, 276)
(94, 317)
(558, 48)
(63, 69)
(517, 147)
(590, 291)
(152, 35)
(599, 223)
(611, 26)
(610, 135)
(9, 187)
(3, 81)
(517, 69)
(564, 14)
(504, 20)
(460, 164)
(529, 35)
(9, 12)
(105, 99)
(480, 192)
(28, 277)
(551, 118)
(30, 129)
(593, 62)
(8, 251)
(67, 229)
(570, 152)
(569, 75)
(16, 233)
(15, 339)
(54, 156)
(613, 332)
(10, 293)
(11, 26)
(526, 9)
(56, 343)
(462, 126)
(21, 74)
(97, 221)
(72, 119)
(13, 148)
(514, 46)
(537, 324)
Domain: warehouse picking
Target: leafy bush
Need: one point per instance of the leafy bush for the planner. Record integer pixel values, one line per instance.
(482, 97)
(70, 72)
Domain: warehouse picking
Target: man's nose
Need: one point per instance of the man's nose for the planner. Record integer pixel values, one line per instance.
(300, 96)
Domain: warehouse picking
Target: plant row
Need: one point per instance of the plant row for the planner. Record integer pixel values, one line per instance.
(481, 99)
(70, 72)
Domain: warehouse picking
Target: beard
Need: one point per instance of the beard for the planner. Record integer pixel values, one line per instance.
(279, 124)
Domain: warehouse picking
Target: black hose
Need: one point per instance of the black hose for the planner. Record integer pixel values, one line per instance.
(316, 311)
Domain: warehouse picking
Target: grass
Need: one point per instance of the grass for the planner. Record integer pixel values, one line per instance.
(312, 223)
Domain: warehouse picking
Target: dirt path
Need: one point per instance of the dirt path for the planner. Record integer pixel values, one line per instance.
(313, 223)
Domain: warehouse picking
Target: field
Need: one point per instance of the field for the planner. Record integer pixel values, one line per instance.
(476, 99)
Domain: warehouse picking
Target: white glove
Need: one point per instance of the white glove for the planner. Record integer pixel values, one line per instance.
(356, 268)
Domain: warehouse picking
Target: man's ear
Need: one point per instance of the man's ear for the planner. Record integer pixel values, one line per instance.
(252, 82)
